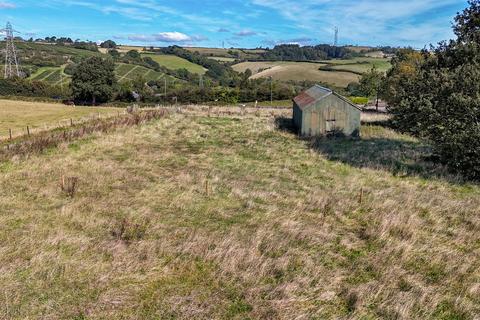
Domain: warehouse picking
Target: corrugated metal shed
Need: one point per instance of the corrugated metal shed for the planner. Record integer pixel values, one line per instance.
(320, 111)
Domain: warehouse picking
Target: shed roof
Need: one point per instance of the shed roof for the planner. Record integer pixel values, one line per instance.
(314, 94)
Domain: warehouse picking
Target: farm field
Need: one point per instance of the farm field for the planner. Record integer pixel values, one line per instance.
(222, 59)
(235, 217)
(173, 62)
(124, 49)
(219, 52)
(52, 75)
(127, 72)
(360, 65)
(297, 71)
(16, 115)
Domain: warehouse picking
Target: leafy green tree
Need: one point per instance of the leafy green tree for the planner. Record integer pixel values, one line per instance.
(440, 97)
(370, 84)
(133, 54)
(109, 44)
(467, 23)
(93, 80)
(114, 53)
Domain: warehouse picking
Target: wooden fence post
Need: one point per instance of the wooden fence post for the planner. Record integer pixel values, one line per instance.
(10, 131)
(28, 131)
(71, 122)
(360, 198)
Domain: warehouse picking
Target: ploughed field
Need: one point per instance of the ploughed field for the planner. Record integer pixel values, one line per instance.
(219, 213)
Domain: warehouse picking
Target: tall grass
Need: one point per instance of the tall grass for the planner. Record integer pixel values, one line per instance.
(202, 215)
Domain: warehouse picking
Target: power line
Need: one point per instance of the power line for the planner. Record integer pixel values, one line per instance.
(12, 68)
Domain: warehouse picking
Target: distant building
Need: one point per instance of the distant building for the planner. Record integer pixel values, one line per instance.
(320, 111)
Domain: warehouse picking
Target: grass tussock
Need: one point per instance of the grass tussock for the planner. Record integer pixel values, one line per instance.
(200, 216)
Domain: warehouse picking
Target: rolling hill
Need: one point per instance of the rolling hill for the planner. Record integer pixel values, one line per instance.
(336, 72)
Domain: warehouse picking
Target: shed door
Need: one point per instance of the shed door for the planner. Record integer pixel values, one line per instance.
(330, 126)
(330, 120)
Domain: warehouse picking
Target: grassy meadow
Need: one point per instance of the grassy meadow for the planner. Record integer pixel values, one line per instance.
(16, 115)
(173, 62)
(233, 216)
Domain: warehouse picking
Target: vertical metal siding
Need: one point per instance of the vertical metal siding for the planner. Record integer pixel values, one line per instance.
(314, 119)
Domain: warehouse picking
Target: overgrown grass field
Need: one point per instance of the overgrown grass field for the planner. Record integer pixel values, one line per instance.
(17, 115)
(235, 217)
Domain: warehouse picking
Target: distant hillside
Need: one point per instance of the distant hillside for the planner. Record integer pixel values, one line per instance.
(33, 56)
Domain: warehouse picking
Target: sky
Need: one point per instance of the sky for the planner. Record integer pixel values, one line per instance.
(236, 23)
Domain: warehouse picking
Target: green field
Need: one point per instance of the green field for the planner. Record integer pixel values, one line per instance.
(52, 75)
(126, 72)
(198, 217)
(16, 115)
(173, 63)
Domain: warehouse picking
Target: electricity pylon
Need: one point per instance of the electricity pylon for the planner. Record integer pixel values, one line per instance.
(335, 42)
(12, 68)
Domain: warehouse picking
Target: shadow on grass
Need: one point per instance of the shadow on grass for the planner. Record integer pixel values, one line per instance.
(400, 156)
(285, 124)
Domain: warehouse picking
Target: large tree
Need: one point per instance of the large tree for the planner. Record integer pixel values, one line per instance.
(440, 98)
(109, 44)
(93, 80)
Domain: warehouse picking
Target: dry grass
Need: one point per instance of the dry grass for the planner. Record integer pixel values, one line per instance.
(228, 217)
(17, 115)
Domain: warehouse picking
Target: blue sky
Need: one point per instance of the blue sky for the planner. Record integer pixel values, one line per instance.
(238, 23)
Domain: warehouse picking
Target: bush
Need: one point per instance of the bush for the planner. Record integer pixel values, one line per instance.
(27, 88)
(359, 100)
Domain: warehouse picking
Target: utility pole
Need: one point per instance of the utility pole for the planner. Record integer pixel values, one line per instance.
(165, 95)
(11, 61)
(271, 91)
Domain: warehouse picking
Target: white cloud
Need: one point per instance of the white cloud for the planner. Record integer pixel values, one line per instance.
(368, 21)
(246, 33)
(7, 5)
(168, 37)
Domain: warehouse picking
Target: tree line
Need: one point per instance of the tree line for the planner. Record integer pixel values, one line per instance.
(295, 52)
